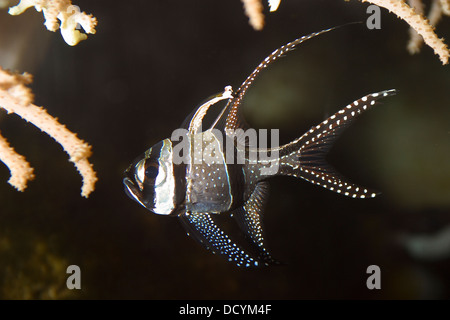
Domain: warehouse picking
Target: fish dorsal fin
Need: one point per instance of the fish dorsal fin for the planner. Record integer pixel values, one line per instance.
(249, 218)
(204, 229)
(231, 118)
(305, 156)
(193, 123)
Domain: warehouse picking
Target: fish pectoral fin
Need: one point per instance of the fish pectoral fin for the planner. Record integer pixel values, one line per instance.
(203, 228)
(249, 219)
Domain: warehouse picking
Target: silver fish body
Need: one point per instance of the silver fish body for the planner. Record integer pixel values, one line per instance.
(196, 175)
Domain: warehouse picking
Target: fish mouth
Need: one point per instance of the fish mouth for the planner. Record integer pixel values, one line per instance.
(131, 190)
(129, 185)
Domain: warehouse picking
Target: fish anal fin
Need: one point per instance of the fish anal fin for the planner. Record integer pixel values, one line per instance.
(249, 219)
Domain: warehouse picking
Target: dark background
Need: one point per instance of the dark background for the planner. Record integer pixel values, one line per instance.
(133, 82)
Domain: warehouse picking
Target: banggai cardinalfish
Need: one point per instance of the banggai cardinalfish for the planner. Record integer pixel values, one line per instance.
(194, 177)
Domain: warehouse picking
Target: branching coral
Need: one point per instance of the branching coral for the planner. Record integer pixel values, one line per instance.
(16, 98)
(20, 169)
(69, 15)
(254, 11)
(411, 14)
(418, 23)
(437, 9)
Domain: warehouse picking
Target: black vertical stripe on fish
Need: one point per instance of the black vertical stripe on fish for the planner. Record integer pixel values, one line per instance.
(179, 172)
(305, 157)
(235, 176)
(202, 228)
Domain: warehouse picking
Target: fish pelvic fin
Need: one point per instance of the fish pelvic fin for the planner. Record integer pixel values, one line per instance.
(205, 230)
(305, 157)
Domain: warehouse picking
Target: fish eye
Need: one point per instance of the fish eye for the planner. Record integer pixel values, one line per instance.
(151, 171)
(148, 171)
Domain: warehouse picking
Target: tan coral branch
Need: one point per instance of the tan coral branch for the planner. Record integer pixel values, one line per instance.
(415, 40)
(421, 28)
(15, 97)
(77, 149)
(254, 11)
(69, 15)
(445, 5)
(20, 169)
(418, 23)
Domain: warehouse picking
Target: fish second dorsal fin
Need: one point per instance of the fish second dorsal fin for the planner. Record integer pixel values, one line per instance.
(231, 117)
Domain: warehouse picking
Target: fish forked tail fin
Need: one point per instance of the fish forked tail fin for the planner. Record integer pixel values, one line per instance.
(305, 157)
